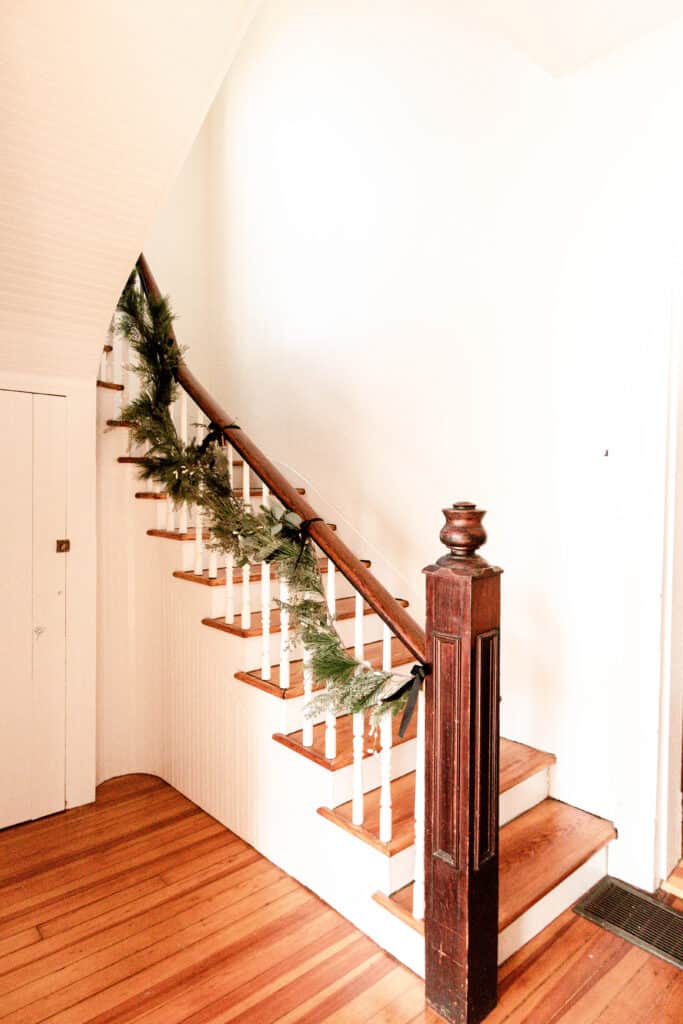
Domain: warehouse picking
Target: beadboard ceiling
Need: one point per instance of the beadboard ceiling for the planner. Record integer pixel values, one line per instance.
(564, 35)
(100, 104)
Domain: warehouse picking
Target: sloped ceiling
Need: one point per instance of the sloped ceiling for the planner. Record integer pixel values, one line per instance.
(563, 35)
(101, 101)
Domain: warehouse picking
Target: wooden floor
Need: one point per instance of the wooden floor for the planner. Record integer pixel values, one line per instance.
(143, 908)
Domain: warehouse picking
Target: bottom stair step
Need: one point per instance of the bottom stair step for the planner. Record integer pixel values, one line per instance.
(538, 851)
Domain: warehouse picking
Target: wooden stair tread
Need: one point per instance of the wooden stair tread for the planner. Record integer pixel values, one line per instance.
(255, 574)
(345, 609)
(538, 850)
(107, 348)
(372, 652)
(151, 495)
(517, 762)
(108, 384)
(175, 535)
(237, 491)
(120, 423)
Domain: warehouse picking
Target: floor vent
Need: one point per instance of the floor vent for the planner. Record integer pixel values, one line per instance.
(636, 917)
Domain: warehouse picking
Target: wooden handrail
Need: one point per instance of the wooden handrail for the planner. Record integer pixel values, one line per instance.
(378, 597)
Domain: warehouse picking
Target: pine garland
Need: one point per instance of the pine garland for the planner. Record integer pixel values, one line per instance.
(197, 473)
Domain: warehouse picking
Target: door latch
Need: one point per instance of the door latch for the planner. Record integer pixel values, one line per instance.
(63, 546)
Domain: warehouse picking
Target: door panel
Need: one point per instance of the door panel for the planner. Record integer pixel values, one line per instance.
(32, 606)
(16, 588)
(49, 603)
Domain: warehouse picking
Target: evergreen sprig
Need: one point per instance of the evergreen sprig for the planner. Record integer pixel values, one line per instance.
(197, 473)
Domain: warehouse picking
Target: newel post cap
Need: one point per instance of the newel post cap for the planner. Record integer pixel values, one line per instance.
(463, 532)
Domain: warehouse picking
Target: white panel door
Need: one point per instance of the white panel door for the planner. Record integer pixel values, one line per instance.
(49, 605)
(16, 607)
(32, 607)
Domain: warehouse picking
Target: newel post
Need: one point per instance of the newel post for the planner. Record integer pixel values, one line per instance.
(461, 748)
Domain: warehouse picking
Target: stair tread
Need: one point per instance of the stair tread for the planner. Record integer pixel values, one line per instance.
(372, 652)
(120, 423)
(108, 384)
(176, 535)
(237, 491)
(255, 574)
(345, 609)
(517, 762)
(538, 850)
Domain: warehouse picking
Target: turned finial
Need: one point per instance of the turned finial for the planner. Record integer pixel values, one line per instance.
(463, 532)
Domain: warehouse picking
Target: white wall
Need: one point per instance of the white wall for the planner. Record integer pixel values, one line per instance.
(438, 273)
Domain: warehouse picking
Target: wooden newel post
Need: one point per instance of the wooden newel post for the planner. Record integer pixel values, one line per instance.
(462, 735)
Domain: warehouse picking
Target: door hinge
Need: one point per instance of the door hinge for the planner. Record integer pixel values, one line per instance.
(63, 546)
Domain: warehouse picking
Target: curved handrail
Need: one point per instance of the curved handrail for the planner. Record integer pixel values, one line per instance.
(378, 597)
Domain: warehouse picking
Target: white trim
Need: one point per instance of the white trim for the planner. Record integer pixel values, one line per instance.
(668, 835)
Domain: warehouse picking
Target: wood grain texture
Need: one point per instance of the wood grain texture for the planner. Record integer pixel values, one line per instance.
(538, 850)
(517, 763)
(372, 652)
(219, 581)
(109, 385)
(142, 908)
(345, 609)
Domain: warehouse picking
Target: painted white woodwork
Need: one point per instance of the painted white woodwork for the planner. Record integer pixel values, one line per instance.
(47, 764)
(265, 619)
(386, 649)
(246, 486)
(183, 416)
(213, 563)
(229, 587)
(103, 371)
(198, 541)
(385, 811)
(284, 635)
(358, 737)
(245, 599)
(419, 887)
(183, 517)
(307, 729)
(16, 600)
(170, 515)
(330, 720)
(230, 453)
(33, 608)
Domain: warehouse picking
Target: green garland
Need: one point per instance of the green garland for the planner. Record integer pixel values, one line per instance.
(197, 473)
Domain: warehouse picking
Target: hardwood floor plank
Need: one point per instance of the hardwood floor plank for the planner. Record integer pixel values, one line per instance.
(140, 909)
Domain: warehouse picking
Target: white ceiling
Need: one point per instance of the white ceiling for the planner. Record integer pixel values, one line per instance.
(101, 102)
(563, 35)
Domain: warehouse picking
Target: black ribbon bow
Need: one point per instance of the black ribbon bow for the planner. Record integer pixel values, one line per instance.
(304, 531)
(412, 688)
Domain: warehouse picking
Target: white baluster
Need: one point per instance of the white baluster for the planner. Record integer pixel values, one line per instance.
(358, 737)
(182, 426)
(385, 737)
(170, 514)
(307, 737)
(330, 719)
(116, 370)
(102, 375)
(162, 511)
(246, 597)
(213, 564)
(229, 587)
(386, 649)
(265, 620)
(198, 542)
(419, 887)
(230, 455)
(246, 486)
(358, 627)
(183, 517)
(284, 635)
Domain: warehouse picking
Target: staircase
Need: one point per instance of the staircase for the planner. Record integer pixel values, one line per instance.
(222, 698)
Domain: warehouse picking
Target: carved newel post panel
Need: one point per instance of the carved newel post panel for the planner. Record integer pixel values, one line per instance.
(462, 746)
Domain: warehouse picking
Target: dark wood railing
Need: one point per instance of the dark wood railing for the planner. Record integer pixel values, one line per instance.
(461, 651)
